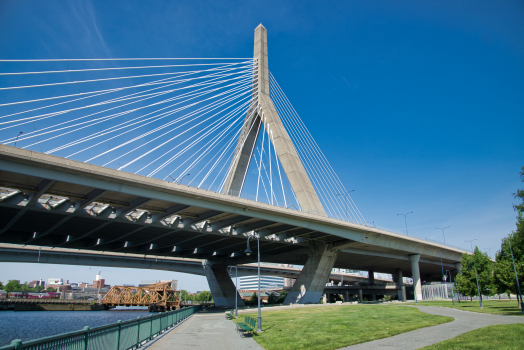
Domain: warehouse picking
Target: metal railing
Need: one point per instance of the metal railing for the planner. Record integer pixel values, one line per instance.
(118, 336)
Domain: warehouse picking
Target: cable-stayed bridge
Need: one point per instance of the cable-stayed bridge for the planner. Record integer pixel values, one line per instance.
(183, 158)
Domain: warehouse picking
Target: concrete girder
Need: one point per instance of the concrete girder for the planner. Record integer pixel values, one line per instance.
(32, 199)
(78, 207)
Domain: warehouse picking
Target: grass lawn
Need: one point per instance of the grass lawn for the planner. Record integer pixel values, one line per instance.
(334, 327)
(502, 336)
(495, 307)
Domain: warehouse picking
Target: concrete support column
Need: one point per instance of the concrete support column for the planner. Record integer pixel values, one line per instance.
(415, 271)
(221, 286)
(311, 282)
(400, 286)
(347, 296)
(458, 266)
(360, 297)
(371, 282)
(371, 277)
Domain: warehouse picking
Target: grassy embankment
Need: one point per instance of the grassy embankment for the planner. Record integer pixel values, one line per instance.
(500, 337)
(335, 327)
(495, 307)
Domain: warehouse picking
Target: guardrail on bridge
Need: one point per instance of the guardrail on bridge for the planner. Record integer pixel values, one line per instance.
(118, 336)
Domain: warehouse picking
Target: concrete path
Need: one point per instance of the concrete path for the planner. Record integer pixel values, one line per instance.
(465, 321)
(205, 331)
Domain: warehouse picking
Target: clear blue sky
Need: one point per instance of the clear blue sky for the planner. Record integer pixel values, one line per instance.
(418, 105)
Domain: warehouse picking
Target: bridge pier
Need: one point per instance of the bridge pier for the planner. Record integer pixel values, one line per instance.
(371, 282)
(400, 286)
(221, 285)
(415, 271)
(310, 284)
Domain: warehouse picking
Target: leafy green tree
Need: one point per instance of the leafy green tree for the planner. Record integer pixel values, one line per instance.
(1, 285)
(504, 276)
(467, 282)
(50, 289)
(12, 285)
(204, 296)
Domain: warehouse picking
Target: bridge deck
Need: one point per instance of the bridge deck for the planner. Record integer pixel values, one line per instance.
(52, 201)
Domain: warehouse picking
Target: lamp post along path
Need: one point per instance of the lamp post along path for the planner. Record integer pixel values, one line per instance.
(248, 252)
(236, 289)
(502, 254)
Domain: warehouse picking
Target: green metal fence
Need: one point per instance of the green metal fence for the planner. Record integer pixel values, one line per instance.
(116, 336)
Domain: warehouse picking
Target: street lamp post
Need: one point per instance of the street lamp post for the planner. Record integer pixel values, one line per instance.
(248, 252)
(442, 266)
(471, 242)
(452, 293)
(345, 194)
(502, 254)
(476, 277)
(443, 228)
(236, 289)
(406, 220)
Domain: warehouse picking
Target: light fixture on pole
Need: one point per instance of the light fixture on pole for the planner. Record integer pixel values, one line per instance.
(406, 220)
(471, 242)
(442, 266)
(443, 228)
(20, 133)
(248, 252)
(476, 277)
(345, 194)
(502, 255)
(236, 288)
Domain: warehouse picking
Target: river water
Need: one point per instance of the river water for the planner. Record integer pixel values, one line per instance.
(27, 325)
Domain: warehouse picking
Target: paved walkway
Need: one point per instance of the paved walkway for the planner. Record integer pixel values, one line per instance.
(205, 331)
(213, 331)
(465, 321)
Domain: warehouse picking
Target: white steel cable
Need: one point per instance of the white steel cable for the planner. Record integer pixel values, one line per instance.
(321, 155)
(112, 116)
(112, 68)
(151, 150)
(188, 95)
(218, 123)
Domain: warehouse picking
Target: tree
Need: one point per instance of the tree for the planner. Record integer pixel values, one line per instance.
(50, 289)
(504, 278)
(204, 296)
(38, 288)
(12, 285)
(1, 285)
(467, 282)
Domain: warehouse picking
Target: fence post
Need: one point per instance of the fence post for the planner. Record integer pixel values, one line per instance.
(86, 336)
(138, 333)
(118, 335)
(151, 328)
(17, 344)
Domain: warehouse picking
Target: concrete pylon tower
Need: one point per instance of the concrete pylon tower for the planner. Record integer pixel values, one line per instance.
(263, 111)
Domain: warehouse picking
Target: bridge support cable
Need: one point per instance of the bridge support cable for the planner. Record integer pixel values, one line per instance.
(315, 159)
(105, 118)
(311, 166)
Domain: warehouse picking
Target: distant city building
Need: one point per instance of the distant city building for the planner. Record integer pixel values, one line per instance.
(99, 282)
(266, 282)
(35, 283)
(55, 282)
